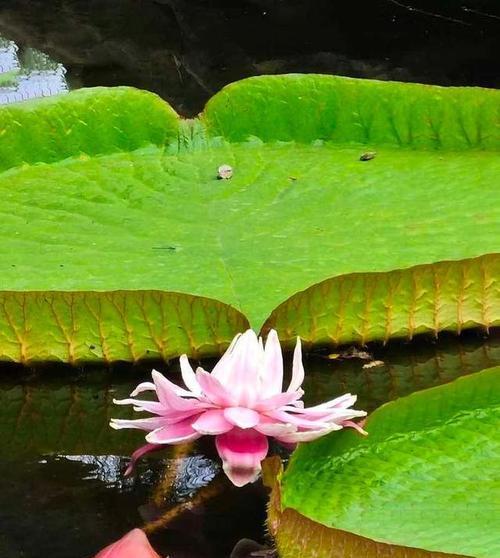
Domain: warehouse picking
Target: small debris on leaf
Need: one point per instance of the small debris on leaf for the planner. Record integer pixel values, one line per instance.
(368, 156)
(373, 364)
(224, 172)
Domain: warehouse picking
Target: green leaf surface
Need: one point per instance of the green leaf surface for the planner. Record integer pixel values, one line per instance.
(108, 190)
(426, 476)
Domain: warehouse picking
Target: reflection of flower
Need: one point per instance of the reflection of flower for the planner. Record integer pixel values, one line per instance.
(133, 545)
(240, 403)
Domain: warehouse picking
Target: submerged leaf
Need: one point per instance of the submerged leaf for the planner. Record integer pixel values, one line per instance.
(108, 190)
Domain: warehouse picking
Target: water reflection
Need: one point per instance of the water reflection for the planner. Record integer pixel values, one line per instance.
(28, 73)
(9, 63)
(106, 468)
(194, 472)
(402, 369)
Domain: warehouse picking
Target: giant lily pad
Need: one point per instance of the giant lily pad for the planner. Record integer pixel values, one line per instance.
(118, 241)
(425, 477)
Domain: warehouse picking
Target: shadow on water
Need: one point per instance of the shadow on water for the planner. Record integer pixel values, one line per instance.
(63, 492)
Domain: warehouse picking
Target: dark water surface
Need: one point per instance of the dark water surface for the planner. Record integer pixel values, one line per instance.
(61, 484)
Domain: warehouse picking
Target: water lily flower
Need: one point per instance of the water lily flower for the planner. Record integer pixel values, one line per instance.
(134, 544)
(241, 403)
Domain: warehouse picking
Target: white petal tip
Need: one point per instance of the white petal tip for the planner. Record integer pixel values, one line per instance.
(241, 477)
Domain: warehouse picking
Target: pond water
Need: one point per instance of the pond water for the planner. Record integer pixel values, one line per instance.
(61, 466)
(62, 492)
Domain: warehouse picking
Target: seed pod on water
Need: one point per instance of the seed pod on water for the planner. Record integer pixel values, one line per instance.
(224, 172)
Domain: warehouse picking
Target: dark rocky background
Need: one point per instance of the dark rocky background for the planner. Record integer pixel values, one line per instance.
(186, 50)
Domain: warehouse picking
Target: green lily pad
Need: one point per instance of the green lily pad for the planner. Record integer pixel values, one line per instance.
(119, 242)
(426, 476)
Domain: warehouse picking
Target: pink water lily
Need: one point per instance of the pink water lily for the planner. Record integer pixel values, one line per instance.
(134, 544)
(241, 403)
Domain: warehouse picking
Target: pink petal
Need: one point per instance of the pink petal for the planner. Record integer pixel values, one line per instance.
(241, 452)
(346, 400)
(171, 417)
(212, 389)
(242, 417)
(142, 424)
(222, 369)
(342, 402)
(309, 436)
(271, 428)
(298, 420)
(277, 401)
(297, 368)
(138, 453)
(174, 433)
(212, 422)
(166, 391)
(272, 380)
(335, 414)
(243, 380)
(139, 405)
(342, 415)
(145, 386)
(133, 545)
(165, 382)
(356, 427)
(188, 376)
